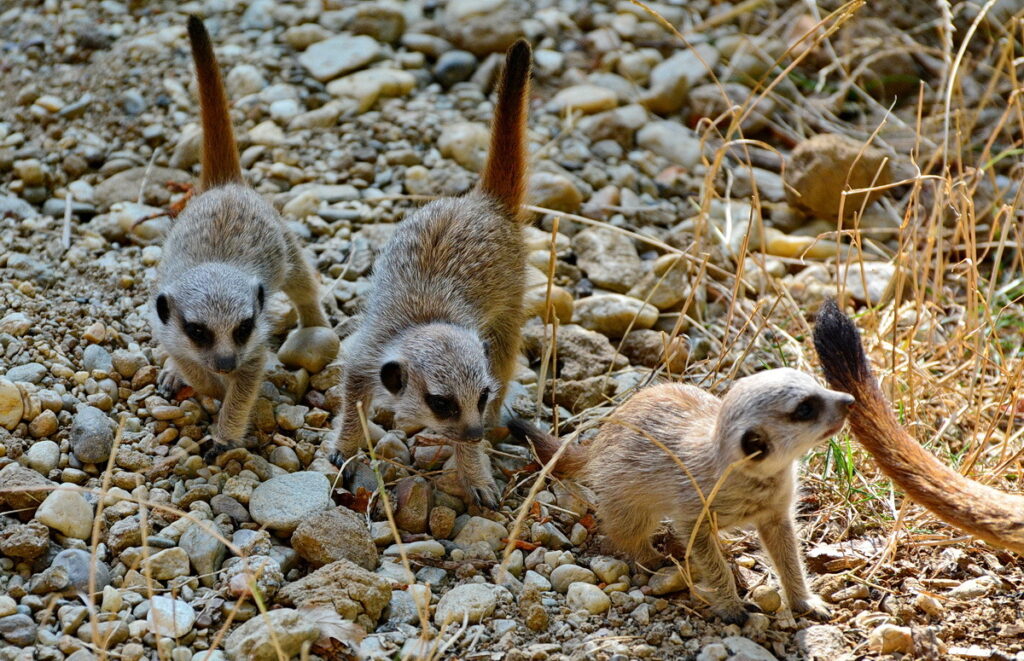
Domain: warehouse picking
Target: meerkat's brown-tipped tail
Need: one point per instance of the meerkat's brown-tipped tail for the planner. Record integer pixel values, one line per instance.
(220, 154)
(504, 176)
(979, 510)
(573, 458)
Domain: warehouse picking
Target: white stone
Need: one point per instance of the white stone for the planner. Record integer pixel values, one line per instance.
(479, 529)
(565, 575)
(328, 59)
(614, 314)
(672, 141)
(474, 601)
(588, 597)
(43, 456)
(66, 511)
(170, 617)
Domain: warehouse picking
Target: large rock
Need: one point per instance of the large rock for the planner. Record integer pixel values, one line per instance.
(125, 186)
(335, 534)
(11, 404)
(479, 529)
(614, 314)
(23, 488)
(284, 502)
(92, 435)
(581, 353)
(609, 258)
(672, 141)
(66, 511)
(26, 541)
(343, 586)
(554, 191)
(472, 601)
(414, 498)
(328, 59)
(253, 641)
(822, 167)
(170, 617)
(205, 552)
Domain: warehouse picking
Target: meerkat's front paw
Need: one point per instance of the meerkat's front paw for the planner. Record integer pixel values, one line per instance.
(216, 450)
(348, 468)
(311, 348)
(732, 612)
(812, 607)
(169, 382)
(483, 493)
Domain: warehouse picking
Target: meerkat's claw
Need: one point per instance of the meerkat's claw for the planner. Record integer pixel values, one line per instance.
(169, 382)
(814, 608)
(483, 495)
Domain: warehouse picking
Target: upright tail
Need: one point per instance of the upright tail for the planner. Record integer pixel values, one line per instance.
(573, 458)
(504, 176)
(986, 513)
(220, 154)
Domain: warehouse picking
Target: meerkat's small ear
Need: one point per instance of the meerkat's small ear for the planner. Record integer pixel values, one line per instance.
(753, 442)
(392, 376)
(487, 348)
(163, 307)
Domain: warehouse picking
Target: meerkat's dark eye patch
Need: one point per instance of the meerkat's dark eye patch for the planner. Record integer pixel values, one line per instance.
(482, 402)
(200, 335)
(244, 330)
(445, 408)
(807, 410)
(754, 442)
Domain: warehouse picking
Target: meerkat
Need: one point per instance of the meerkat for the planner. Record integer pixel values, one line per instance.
(441, 327)
(226, 254)
(749, 440)
(989, 514)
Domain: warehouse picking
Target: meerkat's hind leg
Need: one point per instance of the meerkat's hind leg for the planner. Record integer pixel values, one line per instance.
(629, 529)
(778, 534)
(714, 570)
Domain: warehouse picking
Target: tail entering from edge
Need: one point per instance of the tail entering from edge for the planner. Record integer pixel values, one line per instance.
(573, 458)
(989, 514)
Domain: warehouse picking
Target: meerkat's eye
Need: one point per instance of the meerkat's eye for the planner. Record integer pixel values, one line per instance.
(806, 410)
(244, 330)
(199, 334)
(484, 394)
(443, 407)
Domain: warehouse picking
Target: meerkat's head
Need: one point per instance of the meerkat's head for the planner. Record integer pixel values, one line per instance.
(776, 416)
(438, 376)
(214, 314)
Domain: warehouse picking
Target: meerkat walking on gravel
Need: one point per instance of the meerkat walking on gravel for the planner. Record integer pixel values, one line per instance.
(749, 440)
(986, 513)
(442, 323)
(227, 252)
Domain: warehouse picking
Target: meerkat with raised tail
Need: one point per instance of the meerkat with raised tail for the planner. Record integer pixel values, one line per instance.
(989, 514)
(750, 440)
(227, 252)
(442, 322)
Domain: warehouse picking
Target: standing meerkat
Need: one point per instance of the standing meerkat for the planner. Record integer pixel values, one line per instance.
(442, 323)
(749, 440)
(226, 253)
(979, 510)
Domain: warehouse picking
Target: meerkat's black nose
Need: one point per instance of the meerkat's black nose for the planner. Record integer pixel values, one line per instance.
(473, 433)
(224, 364)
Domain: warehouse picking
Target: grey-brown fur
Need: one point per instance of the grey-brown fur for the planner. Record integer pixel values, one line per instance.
(227, 252)
(443, 319)
(638, 486)
(446, 305)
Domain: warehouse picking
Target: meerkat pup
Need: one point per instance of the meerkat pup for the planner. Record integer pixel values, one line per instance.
(986, 513)
(227, 252)
(749, 441)
(442, 322)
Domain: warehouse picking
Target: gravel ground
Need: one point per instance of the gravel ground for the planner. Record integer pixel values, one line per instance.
(347, 114)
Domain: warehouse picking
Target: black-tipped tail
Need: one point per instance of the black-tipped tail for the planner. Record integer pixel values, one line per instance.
(839, 349)
(572, 459)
